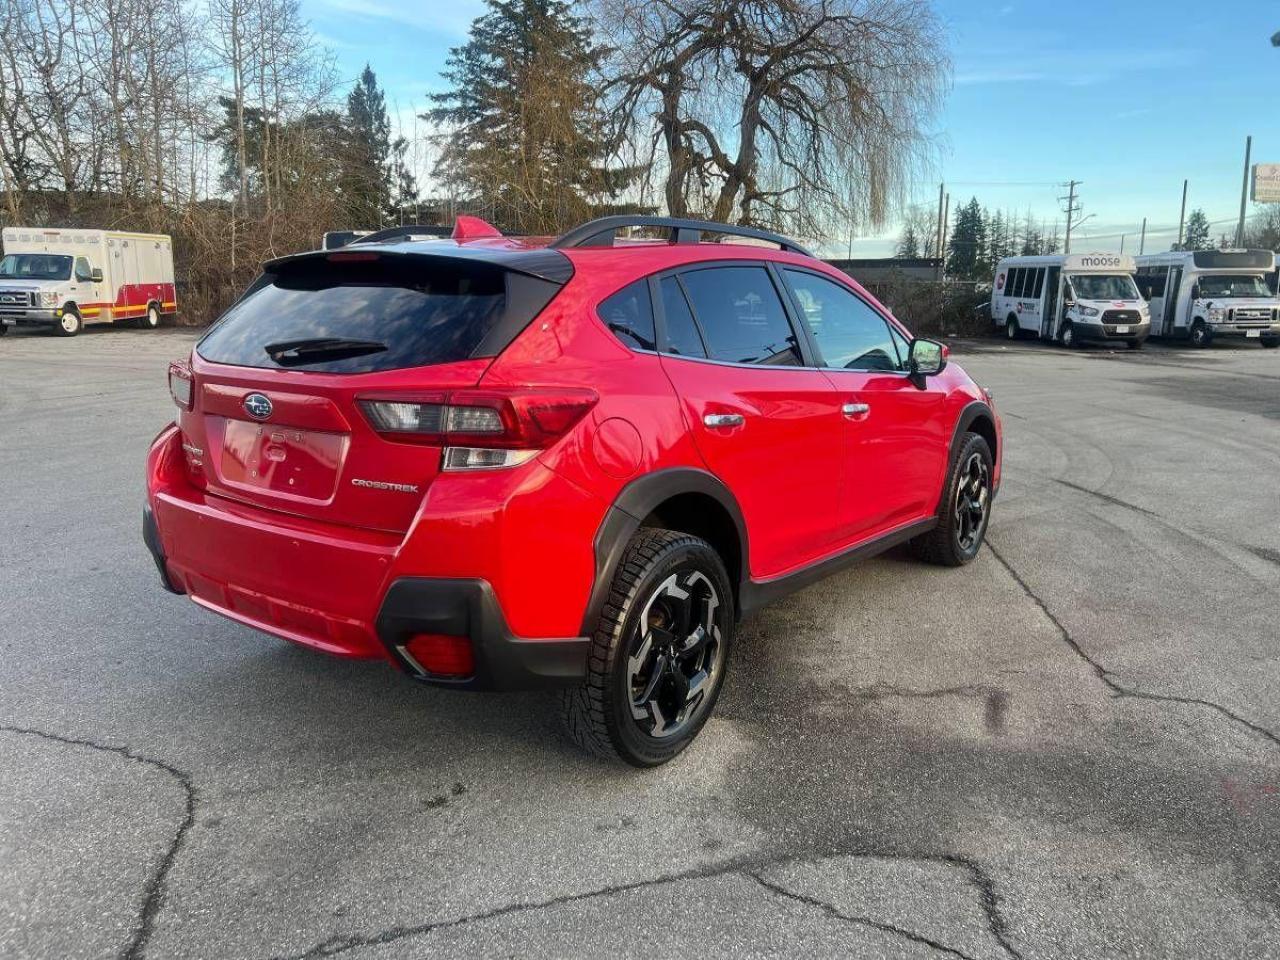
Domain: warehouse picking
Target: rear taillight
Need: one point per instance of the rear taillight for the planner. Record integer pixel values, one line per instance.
(482, 429)
(180, 383)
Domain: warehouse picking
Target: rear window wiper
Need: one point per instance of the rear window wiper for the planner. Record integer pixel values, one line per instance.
(295, 353)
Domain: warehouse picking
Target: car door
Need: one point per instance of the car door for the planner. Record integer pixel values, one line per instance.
(895, 440)
(763, 421)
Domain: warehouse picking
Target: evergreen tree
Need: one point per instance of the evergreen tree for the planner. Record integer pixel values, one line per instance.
(524, 140)
(908, 244)
(966, 259)
(1196, 236)
(367, 167)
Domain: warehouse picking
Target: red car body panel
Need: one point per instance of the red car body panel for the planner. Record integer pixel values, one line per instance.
(262, 523)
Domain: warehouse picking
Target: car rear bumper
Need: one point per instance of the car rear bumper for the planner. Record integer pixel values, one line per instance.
(337, 590)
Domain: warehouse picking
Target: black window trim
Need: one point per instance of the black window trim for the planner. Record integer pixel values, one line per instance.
(793, 305)
(801, 334)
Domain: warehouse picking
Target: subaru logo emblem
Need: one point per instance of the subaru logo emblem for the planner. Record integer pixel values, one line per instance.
(258, 406)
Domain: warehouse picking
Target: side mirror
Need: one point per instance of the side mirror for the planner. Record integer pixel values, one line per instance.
(1195, 292)
(96, 275)
(927, 358)
(1146, 294)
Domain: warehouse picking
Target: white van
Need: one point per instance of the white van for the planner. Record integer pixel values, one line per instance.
(1205, 294)
(1071, 298)
(64, 279)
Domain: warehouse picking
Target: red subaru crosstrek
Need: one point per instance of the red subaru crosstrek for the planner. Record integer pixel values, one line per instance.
(504, 463)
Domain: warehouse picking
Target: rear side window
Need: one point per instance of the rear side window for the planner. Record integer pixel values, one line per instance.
(629, 316)
(682, 338)
(365, 316)
(741, 316)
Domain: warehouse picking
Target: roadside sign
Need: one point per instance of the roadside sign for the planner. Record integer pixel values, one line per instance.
(1266, 183)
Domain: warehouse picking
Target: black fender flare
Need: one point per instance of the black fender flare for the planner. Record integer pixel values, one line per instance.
(637, 500)
(972, 412)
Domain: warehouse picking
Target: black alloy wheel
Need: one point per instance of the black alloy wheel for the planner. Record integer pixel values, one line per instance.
(676, 656)
(659, 654)
(972, 502)
(965, 508)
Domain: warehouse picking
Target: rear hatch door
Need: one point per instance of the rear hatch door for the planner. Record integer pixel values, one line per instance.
(277, 420)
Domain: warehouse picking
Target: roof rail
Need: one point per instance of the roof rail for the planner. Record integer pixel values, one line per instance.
(601, 232)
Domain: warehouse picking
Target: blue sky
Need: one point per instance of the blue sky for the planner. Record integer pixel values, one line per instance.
(1128, 96)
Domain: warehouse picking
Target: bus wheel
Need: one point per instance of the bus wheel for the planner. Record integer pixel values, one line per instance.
(1270, 344)
(68, 324)
(1012, 329)
(1201, 336)
(1068, 336)
(152, 320)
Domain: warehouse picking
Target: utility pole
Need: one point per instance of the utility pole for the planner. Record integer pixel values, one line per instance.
(1072, 209)
(1122, 238)
(1142, 242)
(942, 249)
(1244, 190)
(937, 250)
(1182, 217)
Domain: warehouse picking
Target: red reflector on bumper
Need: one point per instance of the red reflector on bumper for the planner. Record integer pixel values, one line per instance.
(442, 655)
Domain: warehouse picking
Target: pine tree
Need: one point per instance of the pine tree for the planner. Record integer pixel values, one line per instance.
(367, 168)
(1196, 236)
(908, 244)
(524, 137)
(1032, 237)
(965, 250)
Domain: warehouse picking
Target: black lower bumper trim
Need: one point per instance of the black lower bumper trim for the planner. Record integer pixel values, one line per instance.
(469, 608)
(151, 537)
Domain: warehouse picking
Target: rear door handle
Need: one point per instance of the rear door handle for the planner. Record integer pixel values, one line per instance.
(724, 420)
(856, 409)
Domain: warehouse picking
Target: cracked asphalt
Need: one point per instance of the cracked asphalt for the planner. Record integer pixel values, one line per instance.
(1070, 748)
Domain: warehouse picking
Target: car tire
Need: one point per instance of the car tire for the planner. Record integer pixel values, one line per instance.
(152, 319)
(965, 508)
(1268, 344)
(1011, 329)
(69, 324)
(1200, 335)
(4, 328)
(639, 672)
(1135, 344)
(1067, 337)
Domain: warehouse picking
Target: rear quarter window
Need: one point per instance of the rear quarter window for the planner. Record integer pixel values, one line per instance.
(629, 316)
(403, 312)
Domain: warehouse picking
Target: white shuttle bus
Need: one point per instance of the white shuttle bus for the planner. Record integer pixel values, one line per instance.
(1070, 298)
(64, 279)
(1206, 294)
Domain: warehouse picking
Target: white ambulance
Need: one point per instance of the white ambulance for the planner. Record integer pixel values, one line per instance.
(1070, 298)
(64, 279)
(1205, 294)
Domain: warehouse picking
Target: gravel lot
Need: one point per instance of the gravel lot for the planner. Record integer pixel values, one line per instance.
(1070, 748)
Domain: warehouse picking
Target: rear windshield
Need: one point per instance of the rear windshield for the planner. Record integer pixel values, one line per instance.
(360, 317)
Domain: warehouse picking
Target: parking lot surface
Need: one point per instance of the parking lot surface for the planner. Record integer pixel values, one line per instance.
(1070, 748)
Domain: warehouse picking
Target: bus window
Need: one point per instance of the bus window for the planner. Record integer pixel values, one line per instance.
(1015, 282)
(1039, 288)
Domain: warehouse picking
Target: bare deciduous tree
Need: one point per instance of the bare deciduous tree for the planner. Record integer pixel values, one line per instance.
(795, 114)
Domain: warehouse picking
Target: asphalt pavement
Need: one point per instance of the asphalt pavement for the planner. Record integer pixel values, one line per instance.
(1070, 748)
